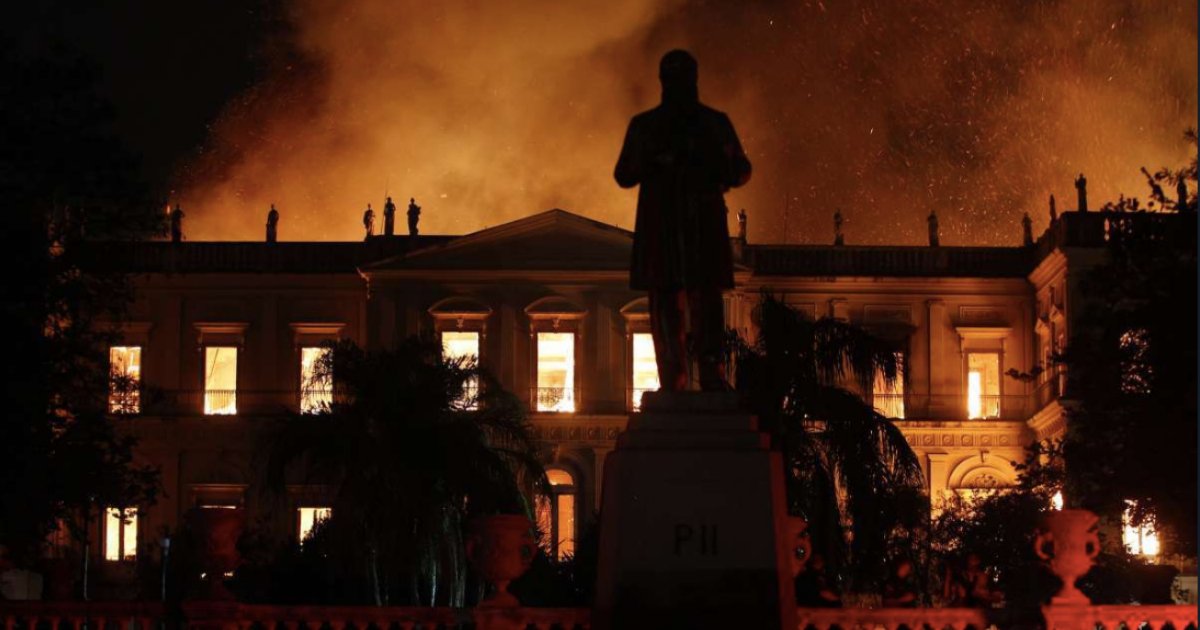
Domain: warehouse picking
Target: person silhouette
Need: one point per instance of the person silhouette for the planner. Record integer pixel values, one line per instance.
(272, 224)
(389, 217)
(369, 222)
(414, 215)
(684, 155)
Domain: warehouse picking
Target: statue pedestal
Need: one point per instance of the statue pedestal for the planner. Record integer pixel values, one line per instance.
(693, 521)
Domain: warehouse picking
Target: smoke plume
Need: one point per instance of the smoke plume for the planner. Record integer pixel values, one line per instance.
(488, 112)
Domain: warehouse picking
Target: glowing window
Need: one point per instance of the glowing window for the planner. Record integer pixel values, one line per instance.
(889, 397)
(120, 534)
(463, 345)
(556, 514)
(308, 517)
(1140, 540)
(316, 392)
(645, 369)
(983, 385)
(220, 380)
(125, 379)
(555, 372)
(1056, 501)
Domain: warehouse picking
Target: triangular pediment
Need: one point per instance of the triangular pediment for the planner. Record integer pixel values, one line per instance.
(548, 241)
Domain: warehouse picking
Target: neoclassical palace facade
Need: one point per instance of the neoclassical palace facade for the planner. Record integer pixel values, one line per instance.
(221, 334)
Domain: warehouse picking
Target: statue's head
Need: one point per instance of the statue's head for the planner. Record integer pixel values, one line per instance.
(679, 74)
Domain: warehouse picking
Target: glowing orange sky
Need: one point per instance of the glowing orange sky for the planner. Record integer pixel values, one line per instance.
(487, 112)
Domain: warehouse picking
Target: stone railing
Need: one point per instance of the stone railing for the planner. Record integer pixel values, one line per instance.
(891, 618)
(1114, 617)
(29, 615)
(231, 616)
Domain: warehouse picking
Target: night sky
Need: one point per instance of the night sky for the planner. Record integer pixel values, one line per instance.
(489, 113)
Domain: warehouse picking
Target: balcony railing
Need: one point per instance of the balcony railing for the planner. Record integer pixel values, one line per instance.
(555, 399)
(220, 402)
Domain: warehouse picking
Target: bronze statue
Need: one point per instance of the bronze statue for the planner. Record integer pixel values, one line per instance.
(369, 222)
(177, 224)
(1026, 230)
(741, 217)
(1053, 210)
(1081, 187)
(389, 217)
(934, 236)
(838, 239)
(272, 224)
(414, 215)
(685, 156)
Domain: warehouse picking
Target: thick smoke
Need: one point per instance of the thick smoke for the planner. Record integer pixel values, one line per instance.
(487, 112)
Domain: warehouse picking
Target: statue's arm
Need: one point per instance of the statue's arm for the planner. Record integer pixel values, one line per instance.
(629, 169)
(739, 164)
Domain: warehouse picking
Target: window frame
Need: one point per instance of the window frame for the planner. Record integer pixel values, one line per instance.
(136, 391)
(124, 521)
(554, 540)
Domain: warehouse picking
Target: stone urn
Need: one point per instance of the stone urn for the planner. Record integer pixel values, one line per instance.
(501, 548)
(217, 531)
(799, 544)
(1068, 543)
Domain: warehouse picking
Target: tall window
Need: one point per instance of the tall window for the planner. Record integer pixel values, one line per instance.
(555, 372)
(889, 397)
(1140, 540)
(120, 534)
(983, 385)
(556, 514)
(124, 379)
(220, 380)
(316, 394)
(457, 344)
(645, 369)
(308, 517)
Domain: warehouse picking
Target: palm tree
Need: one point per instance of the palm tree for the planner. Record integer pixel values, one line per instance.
(852, 474)
(413, 446)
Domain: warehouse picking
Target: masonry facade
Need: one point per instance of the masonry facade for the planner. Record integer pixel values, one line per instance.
(220, 334)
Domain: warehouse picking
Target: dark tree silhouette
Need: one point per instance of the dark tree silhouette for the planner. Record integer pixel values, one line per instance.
(852, 474)
(64, 179)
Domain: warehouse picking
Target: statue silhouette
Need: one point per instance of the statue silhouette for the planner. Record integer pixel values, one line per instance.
(369, 222)
(1181, 196)
(1026, 230)
(177, 224)
(741, 218)
(272, 224)
(1081, 188)
(934, 235)
(389, 217)
(838, 240)
(414, 215)
(1053, 210)
(684, 156)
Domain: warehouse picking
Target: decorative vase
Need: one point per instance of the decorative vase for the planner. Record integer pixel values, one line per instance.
(799, 544)
(218, 530)
(501, 548)
(1071, 535)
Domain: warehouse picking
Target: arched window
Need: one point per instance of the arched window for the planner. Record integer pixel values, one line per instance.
(556, 514)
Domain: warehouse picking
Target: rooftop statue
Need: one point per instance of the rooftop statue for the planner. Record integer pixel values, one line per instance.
(369, 221)
(389, 217)
(414, 215)
(1081, 188)
(176, 218)
(838, 239)
(272, 224)
(1053, 210)
(684, 155)
(1026, 230)
(934, 231)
